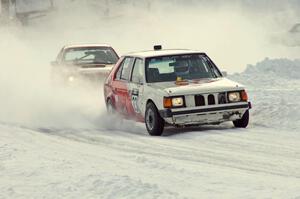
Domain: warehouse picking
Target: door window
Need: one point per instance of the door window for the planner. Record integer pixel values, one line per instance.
(137, 73)
(125, 69)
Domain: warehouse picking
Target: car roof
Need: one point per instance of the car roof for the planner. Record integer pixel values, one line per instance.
(163, 52)
(85, 45)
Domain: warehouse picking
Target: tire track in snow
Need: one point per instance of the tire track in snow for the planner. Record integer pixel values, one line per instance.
(219, 151)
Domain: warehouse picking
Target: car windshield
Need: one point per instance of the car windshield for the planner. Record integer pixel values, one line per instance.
(186, 67)
(90, 55)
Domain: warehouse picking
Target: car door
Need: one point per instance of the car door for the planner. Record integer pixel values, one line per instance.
(136, 89)
(120, 85)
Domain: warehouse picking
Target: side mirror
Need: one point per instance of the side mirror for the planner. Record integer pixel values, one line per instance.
(224, 73)
(54, 63)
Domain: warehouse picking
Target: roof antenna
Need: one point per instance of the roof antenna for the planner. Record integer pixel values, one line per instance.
(157, 47)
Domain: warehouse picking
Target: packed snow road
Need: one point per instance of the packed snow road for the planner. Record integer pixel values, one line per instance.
(121, 160)
(207, 162)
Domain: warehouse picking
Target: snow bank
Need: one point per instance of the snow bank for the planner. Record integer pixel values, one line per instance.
(274, 89)
(271, 73)
(283, 68)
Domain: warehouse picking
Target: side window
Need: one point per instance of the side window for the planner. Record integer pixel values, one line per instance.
(118, 74)
(137, 73)
(126, 68)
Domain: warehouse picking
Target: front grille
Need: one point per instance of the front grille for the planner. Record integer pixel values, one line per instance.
(222, 98)
(199, 100)
(211, 99)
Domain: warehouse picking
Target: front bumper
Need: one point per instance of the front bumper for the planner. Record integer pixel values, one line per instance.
(205, 115)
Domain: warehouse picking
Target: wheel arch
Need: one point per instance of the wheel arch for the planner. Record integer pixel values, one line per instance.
(150, 101)
(110, 98)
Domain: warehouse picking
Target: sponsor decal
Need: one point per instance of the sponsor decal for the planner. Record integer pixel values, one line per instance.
(134, 100)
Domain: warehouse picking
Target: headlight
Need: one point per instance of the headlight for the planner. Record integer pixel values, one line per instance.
(177, 101)
(71, 79)
(234, 97)
(173, 102)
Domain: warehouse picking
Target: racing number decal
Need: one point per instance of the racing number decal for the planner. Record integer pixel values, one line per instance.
(134, 100)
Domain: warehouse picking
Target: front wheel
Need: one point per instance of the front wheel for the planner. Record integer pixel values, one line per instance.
(154, 123)
(243, 122)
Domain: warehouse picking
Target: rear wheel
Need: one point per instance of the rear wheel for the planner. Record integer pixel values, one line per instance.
(243, 122)
(154, 123)
(109, 107)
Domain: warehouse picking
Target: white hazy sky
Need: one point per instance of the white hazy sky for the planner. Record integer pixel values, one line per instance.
(233, 33)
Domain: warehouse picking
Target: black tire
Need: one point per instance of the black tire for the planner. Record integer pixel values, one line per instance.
(154, 122)
(110, 108)
(243, 122)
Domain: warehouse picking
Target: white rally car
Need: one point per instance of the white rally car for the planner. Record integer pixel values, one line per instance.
(174, 87)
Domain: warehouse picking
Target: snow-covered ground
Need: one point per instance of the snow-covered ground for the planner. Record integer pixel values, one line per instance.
(210, 162)
(59, 142)
(114, 159)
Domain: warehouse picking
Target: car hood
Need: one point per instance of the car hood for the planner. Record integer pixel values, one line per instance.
(199, 86)
(95, 68)
(87, 69)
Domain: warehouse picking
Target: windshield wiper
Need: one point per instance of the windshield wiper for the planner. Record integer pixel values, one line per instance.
(81, 58)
